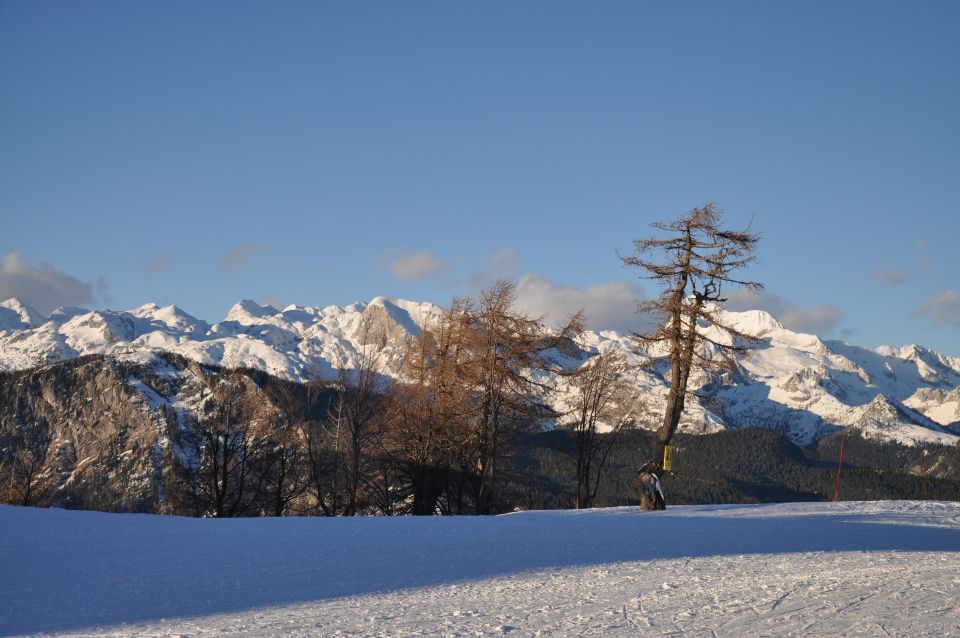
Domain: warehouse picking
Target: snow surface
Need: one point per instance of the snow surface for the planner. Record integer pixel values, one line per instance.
(868, 569)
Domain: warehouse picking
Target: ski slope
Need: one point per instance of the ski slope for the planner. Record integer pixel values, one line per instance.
(869, 569)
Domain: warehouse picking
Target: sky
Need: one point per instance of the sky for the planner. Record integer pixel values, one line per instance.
(324, 153)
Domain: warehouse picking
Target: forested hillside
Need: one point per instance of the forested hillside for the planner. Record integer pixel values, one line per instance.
(749, 465)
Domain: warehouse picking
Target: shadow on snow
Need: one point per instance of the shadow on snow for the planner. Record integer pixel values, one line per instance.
(74, 570)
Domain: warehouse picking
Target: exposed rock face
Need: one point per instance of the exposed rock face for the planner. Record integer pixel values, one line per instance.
(104, 433)
(383, 329)
(95, 445)
(379, 329)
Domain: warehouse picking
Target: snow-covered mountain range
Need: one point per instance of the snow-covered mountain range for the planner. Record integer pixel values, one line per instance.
(795, 383)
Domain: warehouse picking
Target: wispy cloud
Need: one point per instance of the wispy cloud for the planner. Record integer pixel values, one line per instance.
(892, 276)
(45, 287)
(272, 300)
(943, 307)
(239, 256)
(896, 275)
(923, 259)
(158, 264)
(421, 265)
(819, 319)
(610, 306)
(505, 262)
(101, 290)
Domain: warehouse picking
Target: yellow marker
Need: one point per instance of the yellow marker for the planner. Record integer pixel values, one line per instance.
(668, 458)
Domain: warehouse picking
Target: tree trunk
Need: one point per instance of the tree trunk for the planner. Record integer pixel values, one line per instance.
(681, 363)
(426, 482)
(648, 488)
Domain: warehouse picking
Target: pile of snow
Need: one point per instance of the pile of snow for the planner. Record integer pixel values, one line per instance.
(805, 569)
(792, 382)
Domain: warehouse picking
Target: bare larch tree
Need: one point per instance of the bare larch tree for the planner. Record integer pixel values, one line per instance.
(692, 263)
(506, 349)
(24, 476)
(428, 429)
(228, 444)
(284, 463)
(360, 406)
(601, 396)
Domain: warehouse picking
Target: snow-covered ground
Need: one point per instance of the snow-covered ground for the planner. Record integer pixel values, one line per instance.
(870, 569)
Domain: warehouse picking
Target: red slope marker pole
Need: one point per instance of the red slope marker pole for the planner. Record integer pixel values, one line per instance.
(836, 488)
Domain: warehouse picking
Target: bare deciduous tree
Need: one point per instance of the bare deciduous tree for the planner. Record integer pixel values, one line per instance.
(600, 397)
(505, 350)
(360, 411)
(228, 444)
(325, 445)
(284, 463)
(692, 264)
(427, 424)
(23, 479)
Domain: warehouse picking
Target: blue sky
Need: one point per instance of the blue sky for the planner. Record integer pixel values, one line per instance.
(319, 153)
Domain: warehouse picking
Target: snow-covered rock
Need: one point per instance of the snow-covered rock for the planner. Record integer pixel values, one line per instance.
(792, 382)
(16, 315)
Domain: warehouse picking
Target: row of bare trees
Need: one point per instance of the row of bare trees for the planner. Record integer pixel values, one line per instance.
(433, 439)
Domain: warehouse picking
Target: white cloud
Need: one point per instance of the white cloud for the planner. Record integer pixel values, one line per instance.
(610, 306)
(418, 266)
(944, 307)
(44, 287)
(819, 319)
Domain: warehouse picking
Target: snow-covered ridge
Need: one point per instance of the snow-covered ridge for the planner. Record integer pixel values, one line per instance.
(15, 315)
(298, 342)
(792, 382)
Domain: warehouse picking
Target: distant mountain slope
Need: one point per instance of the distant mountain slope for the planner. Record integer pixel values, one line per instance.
(793, 383)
